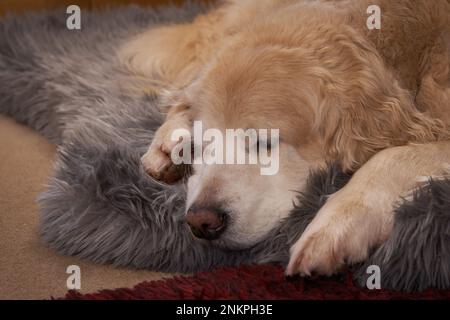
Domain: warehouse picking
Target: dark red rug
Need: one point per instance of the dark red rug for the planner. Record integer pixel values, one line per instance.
(252, 282)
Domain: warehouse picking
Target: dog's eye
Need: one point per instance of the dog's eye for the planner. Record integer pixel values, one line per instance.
(263, 143)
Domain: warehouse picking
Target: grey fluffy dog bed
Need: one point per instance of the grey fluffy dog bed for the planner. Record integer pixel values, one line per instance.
(100, 205)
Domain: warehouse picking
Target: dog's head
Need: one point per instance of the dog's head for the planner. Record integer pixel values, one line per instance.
(332, 100)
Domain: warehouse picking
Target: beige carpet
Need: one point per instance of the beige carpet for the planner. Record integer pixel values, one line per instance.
(28, 270)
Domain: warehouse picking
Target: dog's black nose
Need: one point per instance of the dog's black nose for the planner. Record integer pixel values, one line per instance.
(206, 223)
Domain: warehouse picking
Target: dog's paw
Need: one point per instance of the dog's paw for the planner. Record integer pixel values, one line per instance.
(339, 234)
(157, 161)
(316, 252)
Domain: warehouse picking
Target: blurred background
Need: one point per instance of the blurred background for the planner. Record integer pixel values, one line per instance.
(19, 6)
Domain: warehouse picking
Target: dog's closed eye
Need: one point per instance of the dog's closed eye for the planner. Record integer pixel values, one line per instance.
(262, 143)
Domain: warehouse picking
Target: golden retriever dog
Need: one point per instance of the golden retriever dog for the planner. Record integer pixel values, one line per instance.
(375, 101)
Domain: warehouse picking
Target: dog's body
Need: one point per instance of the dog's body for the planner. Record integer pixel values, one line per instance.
(375, 101)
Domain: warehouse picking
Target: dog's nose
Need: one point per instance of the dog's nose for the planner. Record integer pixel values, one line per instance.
(206, 223)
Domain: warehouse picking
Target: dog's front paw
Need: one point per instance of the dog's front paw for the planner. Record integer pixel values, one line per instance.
(339, 234)
(157, 161)
(316, 252)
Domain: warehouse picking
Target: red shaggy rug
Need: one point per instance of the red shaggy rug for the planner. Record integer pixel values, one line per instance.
(252, 282)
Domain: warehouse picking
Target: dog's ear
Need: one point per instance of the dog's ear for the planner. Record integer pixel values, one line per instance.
(364, 109)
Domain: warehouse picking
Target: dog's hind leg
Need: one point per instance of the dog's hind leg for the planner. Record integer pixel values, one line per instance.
(174, 53)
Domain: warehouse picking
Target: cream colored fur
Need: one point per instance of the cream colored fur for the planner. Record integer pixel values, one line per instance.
(375, 101)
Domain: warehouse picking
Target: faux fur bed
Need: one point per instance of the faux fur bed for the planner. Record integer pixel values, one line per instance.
(100, 205)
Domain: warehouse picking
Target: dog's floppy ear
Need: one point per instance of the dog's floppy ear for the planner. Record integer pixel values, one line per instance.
(364, 109)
